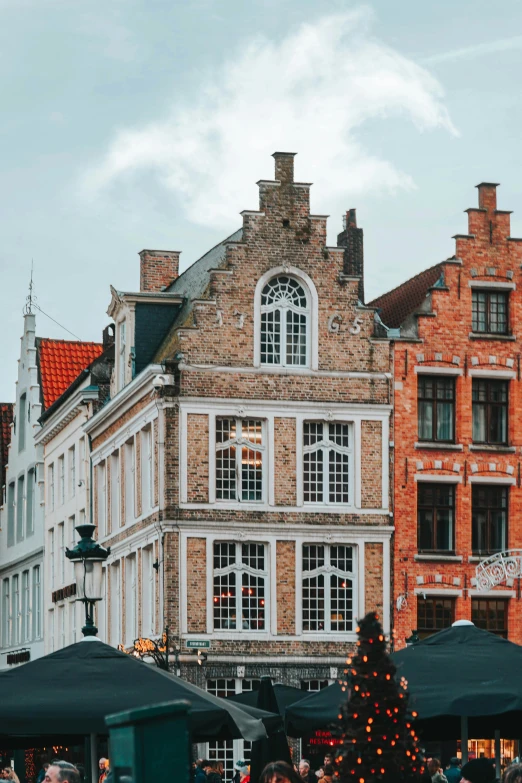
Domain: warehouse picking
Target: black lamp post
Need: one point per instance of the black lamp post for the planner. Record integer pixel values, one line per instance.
(88, 558)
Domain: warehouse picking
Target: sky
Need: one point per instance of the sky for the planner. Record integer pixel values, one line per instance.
(136, 124)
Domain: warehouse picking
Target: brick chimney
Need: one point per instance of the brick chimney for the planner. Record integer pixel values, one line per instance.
(351, 238)
(158, 268)
(284, 166)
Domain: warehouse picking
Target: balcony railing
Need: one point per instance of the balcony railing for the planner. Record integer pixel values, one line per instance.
(499, 568)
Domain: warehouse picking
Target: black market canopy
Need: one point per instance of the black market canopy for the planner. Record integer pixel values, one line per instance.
(460, 672)
(69, 692)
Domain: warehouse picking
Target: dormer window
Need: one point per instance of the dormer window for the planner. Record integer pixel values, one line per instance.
(285, 315)
(122, 338)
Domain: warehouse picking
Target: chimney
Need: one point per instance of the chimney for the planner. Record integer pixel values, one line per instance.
(351, 238)
(108, 336)
(158, 268)
(488, 195)
(284, 166)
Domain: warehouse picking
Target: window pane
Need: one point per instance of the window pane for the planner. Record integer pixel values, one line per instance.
(489, 518)
(271, 337)
(498, 313)
(295, 338)
(479, 323)
(226, 474)
(313, 432)
(444, 421)
(313, 603)
(340, 603)
(338, 477)
(425, 420)
(313, 477)
(436, 508)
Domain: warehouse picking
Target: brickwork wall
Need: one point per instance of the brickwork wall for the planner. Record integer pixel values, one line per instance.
(488, 255)
(197, 468)
(197, 585)
(286, 587)
(373, 578)
(371, 464)
(285, 459)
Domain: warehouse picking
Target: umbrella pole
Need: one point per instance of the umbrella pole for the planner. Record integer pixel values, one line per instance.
(464, 738)
(93, 754)
(497, 753)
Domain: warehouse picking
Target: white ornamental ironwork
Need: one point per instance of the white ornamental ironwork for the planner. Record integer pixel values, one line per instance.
(499, 568)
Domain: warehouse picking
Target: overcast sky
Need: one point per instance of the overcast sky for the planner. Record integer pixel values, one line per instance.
(146, 123)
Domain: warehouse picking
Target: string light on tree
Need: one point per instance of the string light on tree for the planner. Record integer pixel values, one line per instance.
(380, 744)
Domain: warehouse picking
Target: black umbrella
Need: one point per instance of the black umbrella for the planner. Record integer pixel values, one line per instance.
(275, 746)
(285, 696)
(460, 672)
(72, 690)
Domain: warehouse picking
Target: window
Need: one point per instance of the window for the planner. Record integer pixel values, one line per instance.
(61, 627)
(147, 592)
(101, 508)
(72, 621)
(490, 411)
(6, 614)
(284, 323)
(434, 614)
(489, 503)
(328, 587)
(326, 468)
(115, 604)
(314, 686)
(227, 751)
(81, 462)
(72, 472)
(22, 415)
(52, 640)
(29, 503)
(37, 603)
(239, 459)
(240, 579)
(115, 491)
(50, 490)
(130, 469)
(71, 538)
(61, 552)
(20, 503)
(11, 514)
(122, 335)
(101, 610)
(436, 408)
(51, 557)
(15, 612)
(490, 312)
(491, 615)
(131, 604)
(61, 479)
(146, 470)
(435, 517)
(26, 628)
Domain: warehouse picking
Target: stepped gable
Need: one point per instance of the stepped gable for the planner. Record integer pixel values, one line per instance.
(396, 305)
(60, 362)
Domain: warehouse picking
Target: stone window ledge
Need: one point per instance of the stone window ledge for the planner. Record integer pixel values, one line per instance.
(486, 447)
(488, 336)
(430, 444)
(440, 558)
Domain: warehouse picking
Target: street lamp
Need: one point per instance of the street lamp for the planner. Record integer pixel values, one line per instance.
(88, 558)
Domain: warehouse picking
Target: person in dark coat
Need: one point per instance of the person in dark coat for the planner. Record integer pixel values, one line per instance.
(199, 772)
(453, 773)
(210, 767)
(307, 776)
(478, 771)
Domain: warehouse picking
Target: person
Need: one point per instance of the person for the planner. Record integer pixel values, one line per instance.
(478, 771)
(210, 767)
(199, 774)
(305, 772)
(10, 774)
(244, 773)
(62, 772)
(453, 771)
(435, 771)
(279, 772)
(41, 774)
(328, 773)
(513, 774)
(102, 765)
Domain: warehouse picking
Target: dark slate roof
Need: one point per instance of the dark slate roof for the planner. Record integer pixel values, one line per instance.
(192, 284)
(399, 303)
(6, 418)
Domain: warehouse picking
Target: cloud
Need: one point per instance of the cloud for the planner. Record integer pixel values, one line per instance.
(470, 52)
(310, 93)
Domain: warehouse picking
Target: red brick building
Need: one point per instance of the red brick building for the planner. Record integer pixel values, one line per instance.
(241, 467)
(455, 332)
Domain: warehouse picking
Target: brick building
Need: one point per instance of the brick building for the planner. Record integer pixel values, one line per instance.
(242, 464)
(457, 429)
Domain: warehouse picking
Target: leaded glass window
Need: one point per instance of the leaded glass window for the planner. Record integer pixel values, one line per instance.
(326, 462)
(328, 587)
(239, 459)
(284, 323)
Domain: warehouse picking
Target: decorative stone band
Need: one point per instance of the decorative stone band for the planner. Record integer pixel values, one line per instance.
(487, 359)
(499, 568)
(438, 579)
(492, 271)
(433, 356)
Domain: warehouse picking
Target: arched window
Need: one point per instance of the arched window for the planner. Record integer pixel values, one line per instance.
(285, 314)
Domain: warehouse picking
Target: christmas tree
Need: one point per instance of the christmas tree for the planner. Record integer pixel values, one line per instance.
(379, 738)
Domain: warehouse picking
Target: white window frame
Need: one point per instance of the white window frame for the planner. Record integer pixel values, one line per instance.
(238, 442)
(50, 489)
(26, 607)
(73, 622)
(239, 569)
(71, 524)
(72, 471)
(61, 479)
(6, 613)
(101, 497)
(11, 513)
(30, 498)
(37, 602)
(312, 320)
(52, 579)
(146, 465)
(15, 610)
(122, 352)
(115, 603)
(61, 552)
(61, 625)
(241, 749)
(325, 445)
(131, 602)
(326, 570)
(130, 480)
(51, 631)
(148, 592)
(20, 508)
(115, 491)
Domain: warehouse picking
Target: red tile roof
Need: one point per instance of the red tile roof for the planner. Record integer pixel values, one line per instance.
(6, 417)
(60, 362)
(396, 305)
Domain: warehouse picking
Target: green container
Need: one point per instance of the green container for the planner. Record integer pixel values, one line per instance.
(150, 744)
